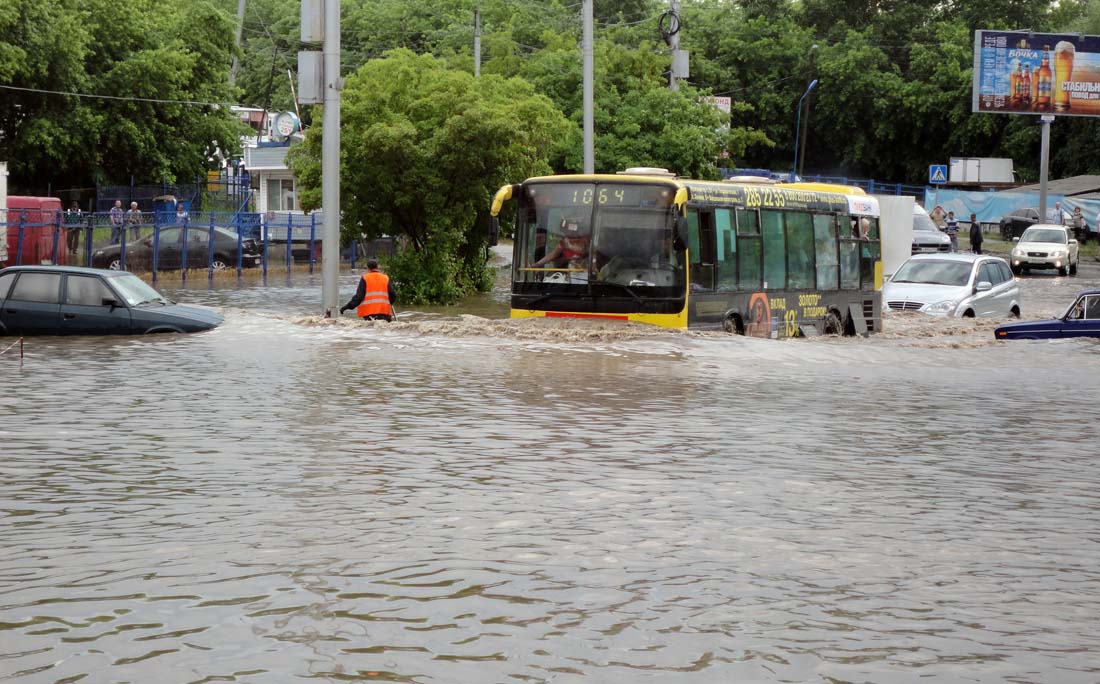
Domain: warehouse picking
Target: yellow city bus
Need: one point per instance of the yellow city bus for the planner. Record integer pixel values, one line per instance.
(643, 245)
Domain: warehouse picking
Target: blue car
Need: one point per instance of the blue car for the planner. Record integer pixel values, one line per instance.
(1081, 320)
(69, 300)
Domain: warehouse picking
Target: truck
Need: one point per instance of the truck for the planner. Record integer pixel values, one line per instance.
(3, 211)
(34, 231)
(981, 171)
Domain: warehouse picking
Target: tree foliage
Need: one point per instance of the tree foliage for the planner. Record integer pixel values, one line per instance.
(134, 51)
(423, 148)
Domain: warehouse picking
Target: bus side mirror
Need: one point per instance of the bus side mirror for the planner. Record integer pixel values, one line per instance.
(494, 232)
(680, 239)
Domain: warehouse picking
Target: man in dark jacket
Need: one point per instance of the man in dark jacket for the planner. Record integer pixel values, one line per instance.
(975, 234)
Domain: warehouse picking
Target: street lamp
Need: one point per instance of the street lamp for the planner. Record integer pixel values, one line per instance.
(798, 125)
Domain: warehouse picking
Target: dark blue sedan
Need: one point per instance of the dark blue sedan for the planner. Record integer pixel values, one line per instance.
(69, 300)
(1081, 320)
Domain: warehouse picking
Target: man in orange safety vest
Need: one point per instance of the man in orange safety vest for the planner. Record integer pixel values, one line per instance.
(373, 300)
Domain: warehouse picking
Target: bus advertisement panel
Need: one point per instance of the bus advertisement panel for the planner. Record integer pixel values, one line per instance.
(1018, 72)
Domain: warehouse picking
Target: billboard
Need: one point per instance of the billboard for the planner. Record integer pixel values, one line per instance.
(1020, 72)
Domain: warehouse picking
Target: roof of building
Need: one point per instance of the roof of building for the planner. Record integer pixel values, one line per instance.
(1073, 186)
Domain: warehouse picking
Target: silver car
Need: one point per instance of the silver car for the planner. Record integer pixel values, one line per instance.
(965, 285)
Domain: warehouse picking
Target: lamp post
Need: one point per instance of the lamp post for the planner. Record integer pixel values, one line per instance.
(798, 126)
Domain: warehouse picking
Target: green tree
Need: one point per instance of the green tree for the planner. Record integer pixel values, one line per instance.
(424, 149)
(140, 54)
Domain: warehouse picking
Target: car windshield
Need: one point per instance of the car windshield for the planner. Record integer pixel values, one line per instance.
(135, 291)
(921, 222)
(1044, 235)
(933, 272)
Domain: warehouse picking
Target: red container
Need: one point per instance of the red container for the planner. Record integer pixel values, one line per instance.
(41, 217)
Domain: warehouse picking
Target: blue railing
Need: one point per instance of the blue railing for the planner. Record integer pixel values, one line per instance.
(142, 242)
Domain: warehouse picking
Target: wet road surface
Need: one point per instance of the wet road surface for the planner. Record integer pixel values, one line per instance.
(458, 497)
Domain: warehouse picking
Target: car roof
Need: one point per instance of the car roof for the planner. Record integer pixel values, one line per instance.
(80, 270)
(958, 256)
(1054, 226)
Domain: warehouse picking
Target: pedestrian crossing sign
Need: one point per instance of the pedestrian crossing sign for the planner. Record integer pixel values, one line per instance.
(937, 173)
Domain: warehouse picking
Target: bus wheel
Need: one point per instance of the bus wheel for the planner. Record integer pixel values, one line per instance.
(734, 325)
(833, 326)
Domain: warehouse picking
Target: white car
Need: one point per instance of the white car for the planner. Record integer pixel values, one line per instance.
(926, 236)
(1045, 245)
(965, 285)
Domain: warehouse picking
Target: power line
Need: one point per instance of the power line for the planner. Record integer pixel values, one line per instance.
(119, 97)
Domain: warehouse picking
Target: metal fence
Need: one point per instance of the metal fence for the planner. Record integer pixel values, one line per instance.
(154, 242)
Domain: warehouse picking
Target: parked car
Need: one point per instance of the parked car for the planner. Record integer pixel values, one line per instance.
(70, 300)
(964, 285)
(1014, 224)
(1082, 319)
(926, 236)
(139, 254)
(1045, 245)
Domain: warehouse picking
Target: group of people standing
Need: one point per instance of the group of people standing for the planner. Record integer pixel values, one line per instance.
(950, 225)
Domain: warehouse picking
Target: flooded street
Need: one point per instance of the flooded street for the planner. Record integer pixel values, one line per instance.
(458, 497)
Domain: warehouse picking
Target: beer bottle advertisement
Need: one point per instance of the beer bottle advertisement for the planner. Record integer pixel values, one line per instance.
(1018, 72)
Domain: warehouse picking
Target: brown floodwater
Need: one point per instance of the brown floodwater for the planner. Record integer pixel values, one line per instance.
(459, 497)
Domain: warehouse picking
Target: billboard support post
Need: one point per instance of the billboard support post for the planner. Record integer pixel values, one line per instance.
(1044, 166)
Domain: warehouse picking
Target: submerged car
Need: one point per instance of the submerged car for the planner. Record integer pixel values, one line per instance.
(70, 300)
(965, 285)
(1045, 245)
(1082, 319)
(926, 236)
(170, 252)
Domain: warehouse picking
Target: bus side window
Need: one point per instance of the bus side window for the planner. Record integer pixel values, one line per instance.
(800, 250)
(726, 257)
(775, 250)
(701, 246)
(748, 250)
(825, 244)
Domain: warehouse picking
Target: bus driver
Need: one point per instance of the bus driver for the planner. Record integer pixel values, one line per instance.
(573, 246)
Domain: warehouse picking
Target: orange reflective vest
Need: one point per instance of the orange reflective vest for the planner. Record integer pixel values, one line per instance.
(377, 297)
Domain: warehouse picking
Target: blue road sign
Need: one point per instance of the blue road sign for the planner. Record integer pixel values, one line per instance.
(937, 173)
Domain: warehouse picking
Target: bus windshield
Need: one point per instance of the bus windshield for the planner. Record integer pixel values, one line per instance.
(597, 233)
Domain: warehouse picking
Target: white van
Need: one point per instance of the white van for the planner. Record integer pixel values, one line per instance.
(926, 236)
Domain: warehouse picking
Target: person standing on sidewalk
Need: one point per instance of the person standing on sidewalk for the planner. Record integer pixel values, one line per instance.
(117, 219)
(134, 220)
(951, 227)
(975, 234)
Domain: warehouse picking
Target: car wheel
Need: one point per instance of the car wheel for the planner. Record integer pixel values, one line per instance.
(1015, 312)
(115, 264)
(733, 325)
(969, 313)
(1064, 271)
(1073, 268)
(219, 263)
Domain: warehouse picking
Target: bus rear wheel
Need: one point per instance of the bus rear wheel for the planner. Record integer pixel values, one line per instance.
(833, 324)
(733, 325)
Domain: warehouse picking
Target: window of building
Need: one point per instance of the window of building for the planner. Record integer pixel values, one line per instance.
(281, 195)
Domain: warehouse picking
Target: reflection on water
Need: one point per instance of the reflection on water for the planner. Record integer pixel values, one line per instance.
(461, 498)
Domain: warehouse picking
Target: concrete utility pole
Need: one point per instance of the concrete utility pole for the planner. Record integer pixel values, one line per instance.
(330, 163)
(674, 45)
(477, 41)
(586, 52)
(240, 27)
(1044, 165)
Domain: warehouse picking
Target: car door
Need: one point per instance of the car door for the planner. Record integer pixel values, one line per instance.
(168, 249)
(1008, 290)
(985, 303)
(1083, 319)
(34, 305)
(83, 311)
